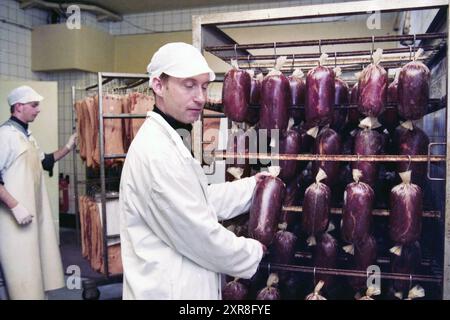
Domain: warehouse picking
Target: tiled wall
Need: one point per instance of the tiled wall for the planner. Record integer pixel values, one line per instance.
(15, 39)
(181, 20)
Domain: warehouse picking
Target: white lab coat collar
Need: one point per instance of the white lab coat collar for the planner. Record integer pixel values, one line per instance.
(171, 133)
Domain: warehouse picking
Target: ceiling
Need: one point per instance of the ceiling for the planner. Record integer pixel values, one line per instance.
(137, 6)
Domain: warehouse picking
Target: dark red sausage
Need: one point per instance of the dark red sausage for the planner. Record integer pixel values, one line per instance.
(270, 292)
(252, 116)
(275, 101)
(236, 94)
(405, 218)
(353, 113)
(328, 142)
(265, 210)
(412, 142)
(365, 255)
(389, 118)
(292, 198)
(372, 88)
(341, 99)
(325, 256)
(368, 142)
(238, 143)
(413, 90)
(234, 290)
(316, 209)
(298, 90)
(407, 263)
(290, 143)
(319, 96)
(283, 247)
(357, 211)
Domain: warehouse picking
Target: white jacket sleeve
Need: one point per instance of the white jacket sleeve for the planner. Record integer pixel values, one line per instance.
(231, 199)
(180, 215)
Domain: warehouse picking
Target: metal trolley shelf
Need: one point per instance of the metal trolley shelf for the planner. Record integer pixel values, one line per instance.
(90, 285)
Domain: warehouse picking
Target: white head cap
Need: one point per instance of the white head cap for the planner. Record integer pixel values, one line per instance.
(23, 94)
(180, 60)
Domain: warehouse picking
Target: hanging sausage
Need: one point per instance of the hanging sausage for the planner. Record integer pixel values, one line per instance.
(298, 90)
(328, 142)
(265, 211)
(405, 218)
(319, 94)
(357, 211)
(368, 142)
(413, 89)
(411, 140)
(341, 99)
(372, 87)
(275, 99)
(316, 208)
(252, 116)
(236, 93)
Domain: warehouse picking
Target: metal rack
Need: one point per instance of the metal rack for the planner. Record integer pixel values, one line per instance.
(208, 37)
(103, 79)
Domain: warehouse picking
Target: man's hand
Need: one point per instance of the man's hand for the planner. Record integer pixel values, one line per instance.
(21, 214)
(260, 176)
(72, 141)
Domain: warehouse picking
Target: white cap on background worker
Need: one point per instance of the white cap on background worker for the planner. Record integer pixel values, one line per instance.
(180, 60)
(23, 94)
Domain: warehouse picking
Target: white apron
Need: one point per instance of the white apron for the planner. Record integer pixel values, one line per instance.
(29, 254)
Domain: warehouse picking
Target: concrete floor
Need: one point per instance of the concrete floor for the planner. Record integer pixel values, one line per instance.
(72, 260)
(71, 256)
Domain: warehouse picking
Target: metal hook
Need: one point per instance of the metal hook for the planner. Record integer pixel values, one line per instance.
(268, 268)
(320, 46)
(373, 47)
(410, 281)
(235, 51)
(314, 275)
(293, 61)
(248, 61)
(410, 53)
(414, 47)
(409, 163)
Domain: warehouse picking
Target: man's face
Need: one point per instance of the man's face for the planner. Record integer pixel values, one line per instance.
(27, 112)
(183, 98)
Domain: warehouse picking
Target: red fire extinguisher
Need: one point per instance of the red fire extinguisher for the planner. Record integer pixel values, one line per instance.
(63, 193)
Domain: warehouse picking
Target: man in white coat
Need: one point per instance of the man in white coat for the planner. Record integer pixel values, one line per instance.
(29, 252)
(173, 246)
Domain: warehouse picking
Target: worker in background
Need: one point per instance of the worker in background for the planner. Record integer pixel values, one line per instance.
(173, 246)
(29, 252)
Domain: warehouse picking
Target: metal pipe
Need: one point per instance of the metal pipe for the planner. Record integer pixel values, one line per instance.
(432, 104)
(317, 55)
(380, 260)
(304, 43)
(124, 116)
(376, 212)
(115, 156)
(351, 273)
(75, 174)
(102, 174)
(323, 157)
